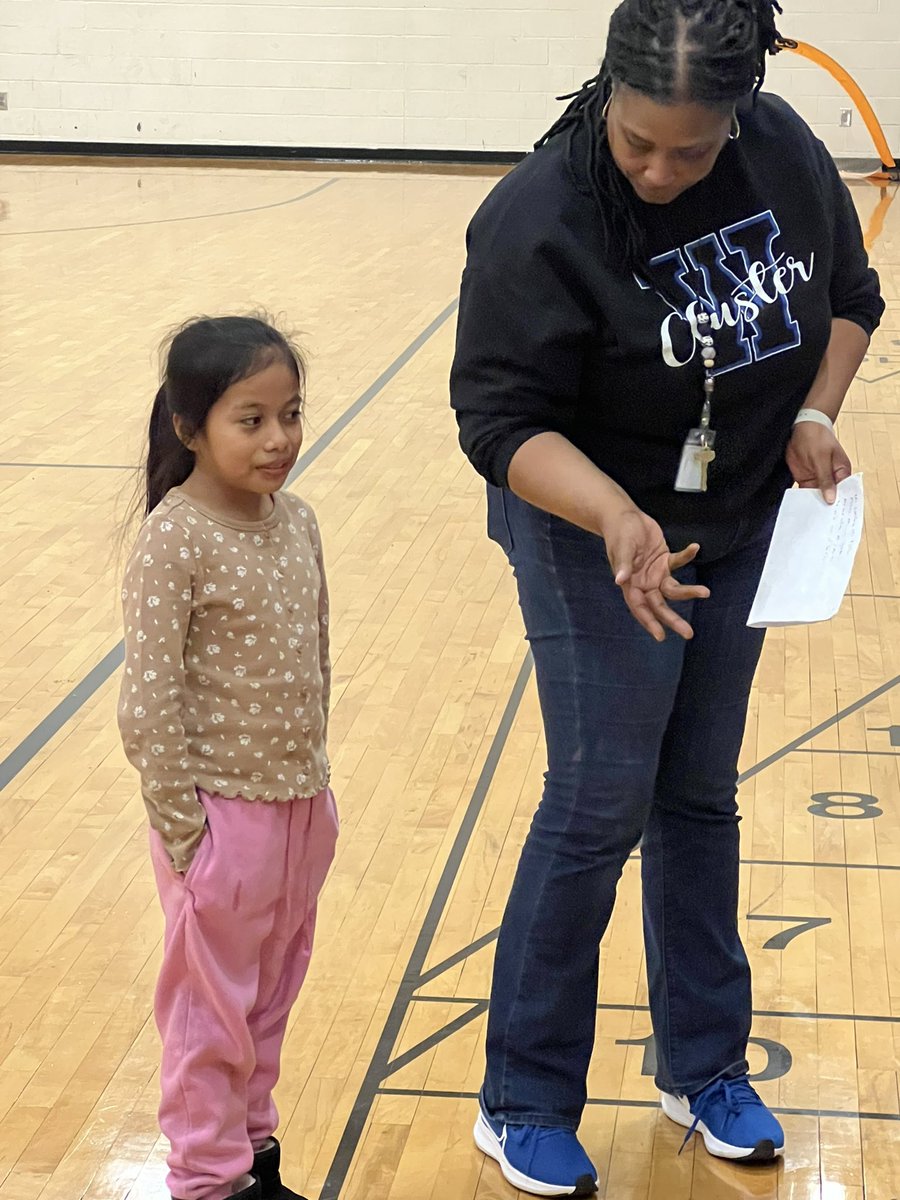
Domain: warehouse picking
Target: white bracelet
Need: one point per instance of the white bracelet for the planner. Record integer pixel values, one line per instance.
(813, 414)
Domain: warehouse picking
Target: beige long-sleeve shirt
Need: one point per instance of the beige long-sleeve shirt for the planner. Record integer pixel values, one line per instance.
(227, 676)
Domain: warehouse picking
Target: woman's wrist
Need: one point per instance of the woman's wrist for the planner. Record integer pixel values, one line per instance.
(814, 416)
(613, 505)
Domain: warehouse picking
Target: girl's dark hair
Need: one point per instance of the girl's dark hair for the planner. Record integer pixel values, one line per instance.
(204, 358)
(710, 52)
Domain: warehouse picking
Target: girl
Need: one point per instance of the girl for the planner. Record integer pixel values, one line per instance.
(223, 710)
(657, 328)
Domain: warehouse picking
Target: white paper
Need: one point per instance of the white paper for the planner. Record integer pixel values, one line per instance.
(811, 557)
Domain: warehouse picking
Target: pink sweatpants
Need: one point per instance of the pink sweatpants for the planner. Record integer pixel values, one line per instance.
(239, 934)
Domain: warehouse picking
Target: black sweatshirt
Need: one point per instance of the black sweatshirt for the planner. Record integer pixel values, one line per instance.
(551, 338)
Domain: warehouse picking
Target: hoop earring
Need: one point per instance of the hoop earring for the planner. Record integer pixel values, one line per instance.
(605, 112)
(735, 128)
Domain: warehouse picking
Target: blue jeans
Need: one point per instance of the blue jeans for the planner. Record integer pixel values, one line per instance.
(642, 745)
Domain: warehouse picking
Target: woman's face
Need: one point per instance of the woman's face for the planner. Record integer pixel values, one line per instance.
(663, 149)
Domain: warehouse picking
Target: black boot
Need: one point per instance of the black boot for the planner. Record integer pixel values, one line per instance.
(266, 1168)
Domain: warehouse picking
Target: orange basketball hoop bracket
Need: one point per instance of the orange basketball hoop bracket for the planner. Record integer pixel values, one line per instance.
(889, 165)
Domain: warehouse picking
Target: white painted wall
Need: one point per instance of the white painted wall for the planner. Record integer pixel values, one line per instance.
(453, 74)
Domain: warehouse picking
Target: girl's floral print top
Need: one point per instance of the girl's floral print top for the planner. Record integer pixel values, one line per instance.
(227, 675)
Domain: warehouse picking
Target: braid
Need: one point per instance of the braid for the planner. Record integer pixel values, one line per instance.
(710, 52)
(608, 186)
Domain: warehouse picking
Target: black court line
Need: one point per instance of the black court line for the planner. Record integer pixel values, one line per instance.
(596, 1103)
(809, 864)
(866, 753)
(786, 862)
(477, 1009)
(236, 212)
(371, 392)
(815, 866)
(864, 1018)
(71, 466)
(380, 1065)
(460, 956)
(35, 741)
(813, 733)
(38, 738)
(380, 1060)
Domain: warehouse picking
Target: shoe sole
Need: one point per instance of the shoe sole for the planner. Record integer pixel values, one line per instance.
(678, 1111)
(488, 1143)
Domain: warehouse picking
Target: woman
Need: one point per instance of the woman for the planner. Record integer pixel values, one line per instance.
(662, 311)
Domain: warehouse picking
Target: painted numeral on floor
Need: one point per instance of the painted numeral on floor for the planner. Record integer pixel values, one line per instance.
(783, 939)
(833, 804)
(779, 1059)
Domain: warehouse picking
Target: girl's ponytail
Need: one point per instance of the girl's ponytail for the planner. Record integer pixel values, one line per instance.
(169, 462)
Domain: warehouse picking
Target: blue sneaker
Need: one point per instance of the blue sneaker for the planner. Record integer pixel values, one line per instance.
(544, 1162)
(731, 1119)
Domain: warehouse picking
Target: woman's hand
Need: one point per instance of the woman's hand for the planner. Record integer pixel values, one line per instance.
(550, 473)
(643, 567)
(817, 459)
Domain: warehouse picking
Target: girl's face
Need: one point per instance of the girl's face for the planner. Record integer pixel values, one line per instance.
(663, 149)
(252, 434)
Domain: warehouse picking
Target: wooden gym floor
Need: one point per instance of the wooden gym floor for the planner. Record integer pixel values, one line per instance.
(435, 735)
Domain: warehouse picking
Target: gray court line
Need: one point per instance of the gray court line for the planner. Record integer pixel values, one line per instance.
(35, 741)
(237, 212)
(808, 737)
(833, 866)
(783, 862)
(864, 1018)
(478, 1009)
(70, 466)
(866, 753)
(379, 1062)
(370, 393)
(837, 1113)
(38, 738)
(460, 956)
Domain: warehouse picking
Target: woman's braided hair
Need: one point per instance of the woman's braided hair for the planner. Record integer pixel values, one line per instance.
(709, 52)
